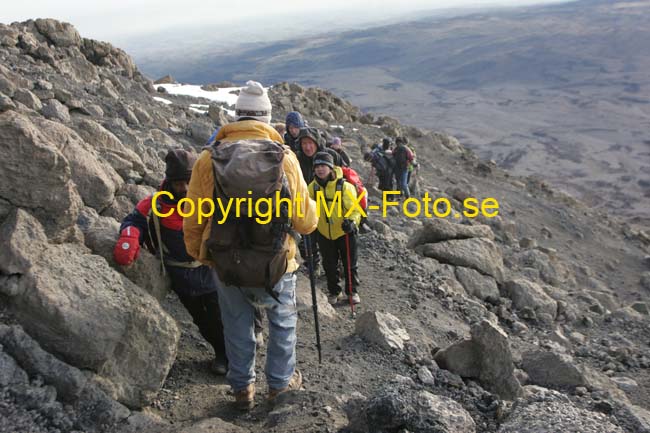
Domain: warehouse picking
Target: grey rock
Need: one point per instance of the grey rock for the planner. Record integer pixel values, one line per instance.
(417, 412)
(10, 372)
(530, 414)
(89, 315)
(425, 376)
(28, 99)
(641, 308)
(61, 34)
(526, 294)
(476, 284)
(102, 234)
(6, 103)
(55, 110)
(34, 174)
(7, 87)
(486, 357)
(626, 384)
(438, 229)
(383, 329)
(636, 418)
(480, 254)
(553, 370)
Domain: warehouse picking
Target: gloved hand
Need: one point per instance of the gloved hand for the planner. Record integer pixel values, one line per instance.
(348, 226)
(127, 247)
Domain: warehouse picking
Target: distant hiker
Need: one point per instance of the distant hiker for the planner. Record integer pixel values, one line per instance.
(337, 145)
(413, 170)
(403, 157)
(293, 123)
(195, 284)
(381, 167)
(255, 262)
(281, 128)
(337, 234)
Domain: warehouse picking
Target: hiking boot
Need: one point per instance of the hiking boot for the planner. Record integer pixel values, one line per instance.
(356, 299)
(245, 398)
(259, 339)
(219, 366)
(334, 299)
(294, 385)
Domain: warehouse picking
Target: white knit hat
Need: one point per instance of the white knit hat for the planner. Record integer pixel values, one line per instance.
(253, 102)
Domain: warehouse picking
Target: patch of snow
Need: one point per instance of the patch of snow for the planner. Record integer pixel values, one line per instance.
(337, 127)
(219, 95)
(197, 110)
(163, 100)
(355, 129)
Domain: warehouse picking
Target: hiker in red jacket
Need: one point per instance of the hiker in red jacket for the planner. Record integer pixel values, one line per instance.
(194, 283)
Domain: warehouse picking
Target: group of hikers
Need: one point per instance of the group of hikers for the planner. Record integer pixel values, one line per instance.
(394, 166)
(228, 274)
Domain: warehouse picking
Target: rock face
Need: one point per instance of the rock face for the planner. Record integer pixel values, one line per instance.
(31, 159)
(417, 411)
(561, 415)
(88, 314)
(486, 357)
(635, 418)
(438, 230)
(383, 329)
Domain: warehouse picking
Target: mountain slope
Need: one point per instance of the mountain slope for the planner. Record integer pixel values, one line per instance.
(560, 91)
(494, 322)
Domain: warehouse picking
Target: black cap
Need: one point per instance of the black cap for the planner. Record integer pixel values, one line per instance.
(324, 158)
(179, 164)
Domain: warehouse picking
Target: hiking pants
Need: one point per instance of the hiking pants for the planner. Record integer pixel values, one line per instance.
(206, 314)
(402, 177)
(333, 251)
(238, 311)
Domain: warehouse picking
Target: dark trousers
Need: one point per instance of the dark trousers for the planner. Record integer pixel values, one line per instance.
(332, 251)
(205, 313)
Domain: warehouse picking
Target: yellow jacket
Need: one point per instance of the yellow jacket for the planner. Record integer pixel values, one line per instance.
(202, 186)
(330, 225)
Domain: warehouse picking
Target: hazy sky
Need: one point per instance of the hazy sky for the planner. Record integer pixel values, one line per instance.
(121, 18)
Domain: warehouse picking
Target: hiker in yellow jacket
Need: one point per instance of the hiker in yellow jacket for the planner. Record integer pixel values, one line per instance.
(253, 110)
(337, 226)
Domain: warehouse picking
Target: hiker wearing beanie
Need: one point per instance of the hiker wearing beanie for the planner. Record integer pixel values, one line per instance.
(293, 123)
(310, 142)
(249, 156)
(337, 145)
(194, 283)
(337, 234)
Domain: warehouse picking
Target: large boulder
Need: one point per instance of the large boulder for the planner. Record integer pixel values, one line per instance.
(35, 175)
(480, 254)
(383, 329)
(635, 418)
(526, 294)
(543, 410)
(54, 110)
(100, 236)
(486, 357)
(85, 313)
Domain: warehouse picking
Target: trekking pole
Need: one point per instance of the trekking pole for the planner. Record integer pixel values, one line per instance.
(314, 301)
(347, 251)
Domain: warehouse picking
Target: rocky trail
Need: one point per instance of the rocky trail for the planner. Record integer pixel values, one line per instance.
(534, 320)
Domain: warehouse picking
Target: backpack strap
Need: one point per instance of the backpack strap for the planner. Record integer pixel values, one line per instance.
(161, 246)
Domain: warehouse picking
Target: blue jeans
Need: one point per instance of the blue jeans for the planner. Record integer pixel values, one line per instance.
(238, 313)
(403, 182)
